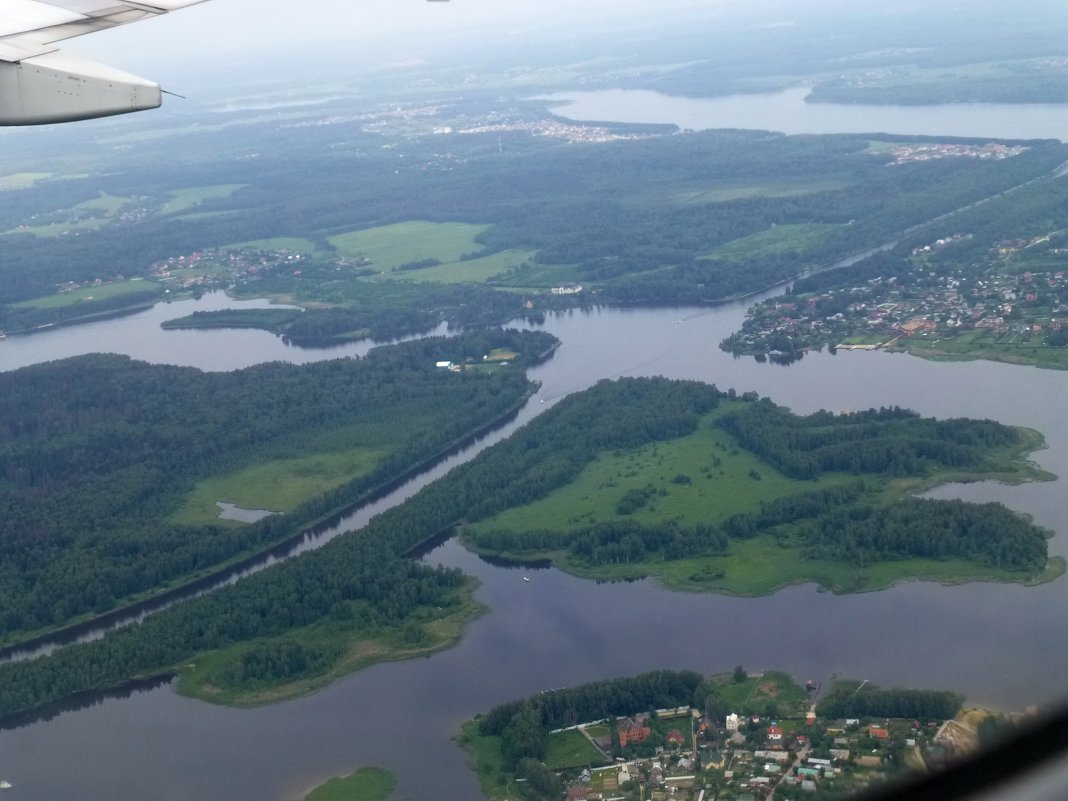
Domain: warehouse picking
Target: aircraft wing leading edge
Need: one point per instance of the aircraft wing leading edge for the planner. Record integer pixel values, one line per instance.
(40, 85)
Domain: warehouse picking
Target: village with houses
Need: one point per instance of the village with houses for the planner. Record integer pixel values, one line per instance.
(743, 756)
(999, 306)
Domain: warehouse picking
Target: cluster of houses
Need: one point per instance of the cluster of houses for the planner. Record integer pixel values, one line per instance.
(226, 266)
(745, 758)
(1009, 305)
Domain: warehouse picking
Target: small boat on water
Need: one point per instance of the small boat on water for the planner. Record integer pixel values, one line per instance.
(5, 785)
(526, 578)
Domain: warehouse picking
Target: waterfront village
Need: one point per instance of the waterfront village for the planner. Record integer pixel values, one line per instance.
(1002, 306)
(681, 754)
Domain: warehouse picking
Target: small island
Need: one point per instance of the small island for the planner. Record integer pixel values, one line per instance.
(707, 490)
(677, 734)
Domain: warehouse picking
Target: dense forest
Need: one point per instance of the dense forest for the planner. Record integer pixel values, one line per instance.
(363, 581)
(99, 451)
(884, 441)
(643, 220)
(846, 701)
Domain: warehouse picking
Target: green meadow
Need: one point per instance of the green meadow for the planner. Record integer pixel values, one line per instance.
(22, 180)
(89, 294)
(279, 485)
(721, 482)
(184, 199)
(367, 784)
(390, 246)
(775, 240)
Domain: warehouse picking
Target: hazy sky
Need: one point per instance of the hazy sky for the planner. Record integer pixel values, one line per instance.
(227, 26)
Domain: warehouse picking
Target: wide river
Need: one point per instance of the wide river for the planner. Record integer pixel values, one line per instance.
(1002, 645)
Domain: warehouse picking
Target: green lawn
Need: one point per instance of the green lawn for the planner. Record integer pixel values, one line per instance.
(390, 246)
(754, 693)
(775, 240)
(367, 784)
(570, 749)
(184, 199)
(278, 485)
(90, 293)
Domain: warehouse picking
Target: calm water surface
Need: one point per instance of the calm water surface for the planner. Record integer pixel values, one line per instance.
(788, 112)
(1002, 645)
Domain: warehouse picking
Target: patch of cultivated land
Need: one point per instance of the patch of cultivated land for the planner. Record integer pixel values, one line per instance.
(22, 180)
(390, 246)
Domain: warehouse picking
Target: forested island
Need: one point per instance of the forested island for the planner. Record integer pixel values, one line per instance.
(112, 468)
(680, 734)
(821, 496)
(717, 491)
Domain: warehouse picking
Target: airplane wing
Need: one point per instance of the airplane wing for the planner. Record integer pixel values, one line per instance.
(39, 84)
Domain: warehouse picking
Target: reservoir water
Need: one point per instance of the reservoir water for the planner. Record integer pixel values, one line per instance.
(788, 112)
(1002, 645)
(999, 644)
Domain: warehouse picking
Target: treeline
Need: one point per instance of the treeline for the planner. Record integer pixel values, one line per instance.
(845, 701)
(577, 206)
(96, 452)
(878, 441)
(363, 580)
(987, 534)
(523, 726)
(609, 542)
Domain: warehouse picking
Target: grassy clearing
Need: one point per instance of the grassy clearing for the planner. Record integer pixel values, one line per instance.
(368, 784)
(390, 246)
(716, 491)
(107, 206)
(470, 271)
(534, 276)
(22, 180)
(279, 485)
(88, 294)
(440, 628)
(983, 345)
(293, 243)
(570, 749)
(184, 199)
(727, 192)
(755, 692)
(775, 240)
